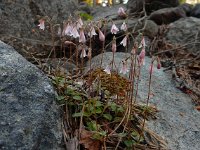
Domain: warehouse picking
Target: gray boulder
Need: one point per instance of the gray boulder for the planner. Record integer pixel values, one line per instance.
(150, 5)
(195, 12)
(167, 15)
(29, 116)
(185, 30)
(177, 120)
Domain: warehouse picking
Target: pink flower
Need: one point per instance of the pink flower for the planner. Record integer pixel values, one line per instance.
(114, 46)
(114, 29)
(142, 57)
(124, 68)
(123, 27)
(74, 32)
(79, 23)
(83, 53)
(92, 32)
(121, 12)
(133, 51)
(158, 63)
(151, 68)
(107, 70)
(41, 25)
(67, 29)
(143, 43)
(101, 36)
(124, 41)
(59, 31)
(82, 36)
(142, 54)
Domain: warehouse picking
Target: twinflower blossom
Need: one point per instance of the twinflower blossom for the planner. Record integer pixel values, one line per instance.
(41, 25)
(83, 53)
(121, 12)
(101, 36)
(143, 43)
(79, 23)
(124, 41)
(158, 63)
(123, 27)
(92, 32)
(82, 36)
(142, 57)
(59, 31)
(74, 32)
(124, 68)
(67, 29)
(114, 29)
(107, 69)
(114, 46)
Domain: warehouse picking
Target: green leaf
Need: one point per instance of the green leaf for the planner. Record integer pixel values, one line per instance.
(93, 126)
(77, 97)
(129, 143)
(79, 114)
(113, 106)
(98, 110)
(60, 97)
(107, 116)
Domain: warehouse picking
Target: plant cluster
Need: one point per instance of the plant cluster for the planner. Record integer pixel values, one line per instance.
(100, 107)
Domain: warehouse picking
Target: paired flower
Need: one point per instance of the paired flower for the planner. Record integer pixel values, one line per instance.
(101, 36)
(114, 29)
(114, 46)
(123, 27)
(92, 32)
(124, 68)
(121, 12)
(124, 41)
(41, 25)
(82, 38)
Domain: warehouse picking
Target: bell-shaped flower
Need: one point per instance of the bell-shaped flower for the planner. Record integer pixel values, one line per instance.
(124, 68)
(59, 32)
(108, 69)
(74, 32)
(101, 36)
(114, 45)
(143, 43)
(142, 57)
(124, 41)
(82, 36)
(83, 53)
(121, 12)
(92, 32)
(67, 29)
(158, 63)
(114, 29)
(41, 25)
(79, 23)
(123, 27)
